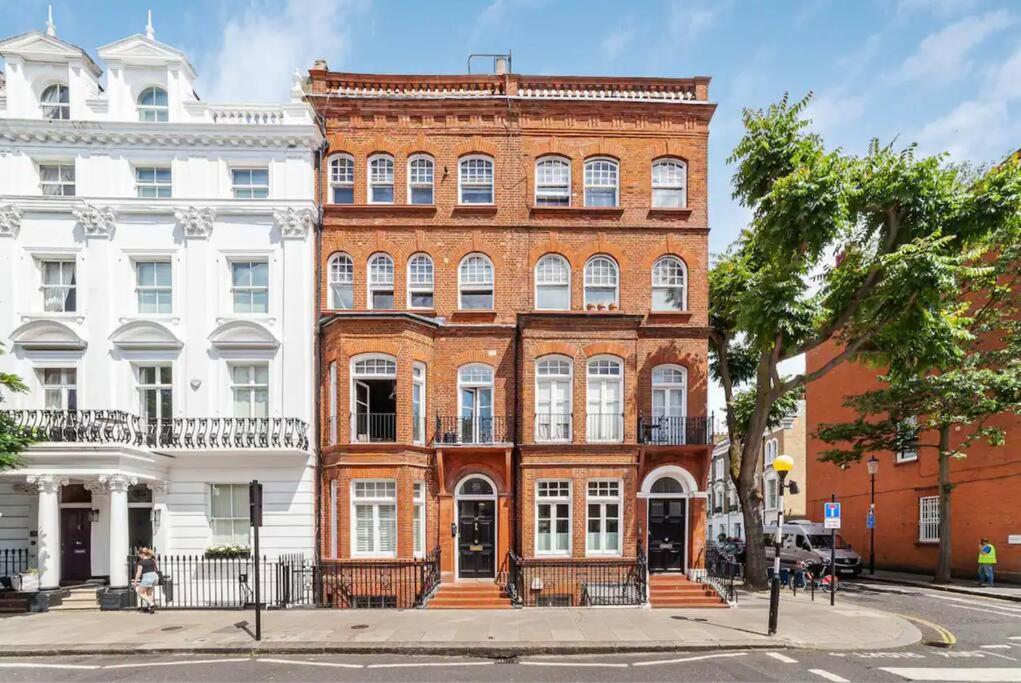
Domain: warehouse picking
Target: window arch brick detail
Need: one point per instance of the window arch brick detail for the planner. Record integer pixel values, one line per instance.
(476, 145)
(552, 348)
(610, 348)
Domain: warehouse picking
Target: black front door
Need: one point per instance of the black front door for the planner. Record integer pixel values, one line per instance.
(476, 538)
(75, 544)
(139, 528)
(667, 539)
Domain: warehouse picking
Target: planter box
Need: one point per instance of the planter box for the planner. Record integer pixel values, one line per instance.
(26, 582)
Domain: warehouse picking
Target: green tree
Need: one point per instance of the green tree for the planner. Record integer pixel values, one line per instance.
(13, 439)
(852, 254)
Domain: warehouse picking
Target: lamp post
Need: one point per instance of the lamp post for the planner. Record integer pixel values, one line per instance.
(782, 465)
(873, 465)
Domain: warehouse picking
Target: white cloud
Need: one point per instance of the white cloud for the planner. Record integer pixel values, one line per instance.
(941, 8)
(944, 56)
(688, 20)
(975, 130)
(832, 111)
(265, 43)
(615, 43)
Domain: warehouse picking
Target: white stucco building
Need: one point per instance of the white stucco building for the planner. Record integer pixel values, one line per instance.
(157, 296)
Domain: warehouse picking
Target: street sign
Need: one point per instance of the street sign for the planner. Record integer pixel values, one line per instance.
(870, 521)
(255, 504)
(831, 516)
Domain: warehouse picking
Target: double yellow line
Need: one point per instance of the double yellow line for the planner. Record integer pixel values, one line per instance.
(949, 639)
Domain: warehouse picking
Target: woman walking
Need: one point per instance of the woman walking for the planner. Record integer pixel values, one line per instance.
(146, 578)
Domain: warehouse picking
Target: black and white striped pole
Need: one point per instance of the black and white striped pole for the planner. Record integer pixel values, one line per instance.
(782, 466)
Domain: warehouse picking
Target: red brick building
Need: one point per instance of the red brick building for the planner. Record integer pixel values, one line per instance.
(907, 498)
(513, 325)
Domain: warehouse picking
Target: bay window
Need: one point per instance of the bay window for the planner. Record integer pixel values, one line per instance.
(374, 515)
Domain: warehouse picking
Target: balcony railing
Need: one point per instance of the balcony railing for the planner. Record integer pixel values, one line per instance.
(118, 426)
(456, 430)
(373, 427)
(675, 431)
(553, 427)
(604, 427)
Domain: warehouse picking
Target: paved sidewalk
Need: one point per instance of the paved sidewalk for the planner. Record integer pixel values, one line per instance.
(1007, 591)
(495, 632)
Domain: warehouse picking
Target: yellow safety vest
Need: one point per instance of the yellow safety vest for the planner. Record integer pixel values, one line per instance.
(987, 558)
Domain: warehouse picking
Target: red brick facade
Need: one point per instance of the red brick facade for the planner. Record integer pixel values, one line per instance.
(510, 121)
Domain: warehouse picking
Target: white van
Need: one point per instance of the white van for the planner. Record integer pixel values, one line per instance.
(809, 543)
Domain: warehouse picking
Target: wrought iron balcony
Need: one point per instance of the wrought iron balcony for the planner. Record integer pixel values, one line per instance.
(604, 427)
(373, 427)
(675, 431)
(468, 431)
(120, 427)
(553, 427)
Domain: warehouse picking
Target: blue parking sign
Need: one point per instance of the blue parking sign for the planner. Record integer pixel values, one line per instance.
(870, 520)
(831, 515)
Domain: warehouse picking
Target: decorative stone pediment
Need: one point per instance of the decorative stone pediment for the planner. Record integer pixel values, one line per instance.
(144, 335)
(96, 221)
(195, 222)
(294, 223)
(49, 335)
(143, 51)
(243, 334)
(10, 220)
(39, 47)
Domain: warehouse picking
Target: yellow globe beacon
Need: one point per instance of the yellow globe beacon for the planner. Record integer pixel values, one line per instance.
(783, 463)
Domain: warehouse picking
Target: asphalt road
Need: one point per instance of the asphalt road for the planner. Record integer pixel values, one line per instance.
(971, 639)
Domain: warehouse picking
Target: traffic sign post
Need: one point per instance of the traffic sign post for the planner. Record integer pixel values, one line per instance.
(831, 519)
(870, 519)
(831, 514)
(255, 517)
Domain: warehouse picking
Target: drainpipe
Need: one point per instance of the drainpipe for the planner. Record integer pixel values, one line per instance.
(317, 359)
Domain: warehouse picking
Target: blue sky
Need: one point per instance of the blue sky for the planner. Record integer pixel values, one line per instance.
(943, 73)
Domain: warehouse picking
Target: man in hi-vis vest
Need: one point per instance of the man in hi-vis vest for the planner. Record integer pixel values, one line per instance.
(986, 562)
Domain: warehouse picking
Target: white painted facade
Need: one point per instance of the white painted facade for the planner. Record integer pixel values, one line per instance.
(173, 282)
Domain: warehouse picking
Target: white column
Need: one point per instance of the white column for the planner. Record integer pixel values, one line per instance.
(49, 529)
(160, 519)
(118, 485)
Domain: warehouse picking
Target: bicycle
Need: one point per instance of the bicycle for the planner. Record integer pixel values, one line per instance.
(827, 582)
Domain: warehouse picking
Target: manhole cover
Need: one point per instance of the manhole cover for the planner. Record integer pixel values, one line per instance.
(359, 627)
(172, 628)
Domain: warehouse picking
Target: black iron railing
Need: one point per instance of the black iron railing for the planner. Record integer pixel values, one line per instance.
(456, 430)
(195, 582)
(604, 427)
(553, 427)
(13, 561)
(717, 569)
(118, 426)
(399, 584)
(535, 582)
(675, 431)
(373, 427)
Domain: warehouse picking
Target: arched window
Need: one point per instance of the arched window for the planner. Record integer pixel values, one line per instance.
(374, 398)
(153, 105)
(552, 283)
(381, 179)
(669, 184)
(342, 281)
(56, 102)
(605, 406)
(669, 285)
(342, 179)
(420, 282)
(475, 180)
(601, 182)
(553, 398)
(669, 405)
(772, 449)
(601, 278)
(475, 284)
(475, 404)
(420, 179)
(553, 182)
(667, 485)
(381, 282)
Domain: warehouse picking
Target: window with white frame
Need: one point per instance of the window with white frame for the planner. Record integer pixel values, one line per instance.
(718, 469)
(249, 385)
(605, 409)
(553, 399)
(249, 286)
(552, 283)
(772, 449)
(381, 282)
(908, 433)
(669, 184)
(56, 102)
(153, 105)
(475, 180)
(153, 182)
(250, 183)
(420, 179)
(418, 402)
(602, 534)
(601, 279)
(342, 179)
(420, 282)
(475, 282)
(669, 404)
(60, 388)
(553, 518)
(475, 403)
(553, 182)
(601, 182)
(59, 286)
(720, 491)
(669, 285)
(418, 520)
(154, 286)
(772, 499)
(381, 179)
(342, 282)
(928, 519)
(155, 393)
(57, 179)
(374, 511)
(229, 514)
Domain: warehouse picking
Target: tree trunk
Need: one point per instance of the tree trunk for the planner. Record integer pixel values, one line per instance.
(755, 545)
(943, 568)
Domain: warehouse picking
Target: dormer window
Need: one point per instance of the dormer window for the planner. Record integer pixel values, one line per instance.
(56, 102)
(153, 106)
